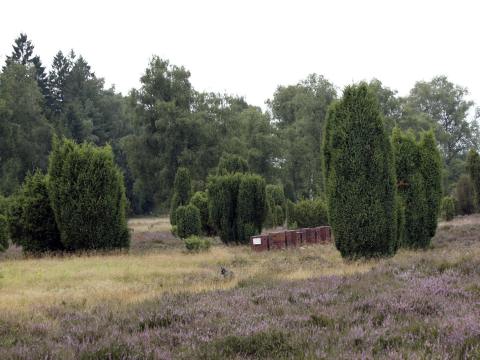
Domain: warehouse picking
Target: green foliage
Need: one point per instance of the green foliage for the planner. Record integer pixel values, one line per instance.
(360, 176)
(200, 200)
(412, 189)
(182, 191)
(196, 244)
(309, 213)
(188, 221)
(276, 206)
(290, 213)
(32, 220)
(237, 205)
(222, 205)
(443, 106)
(473, 169)
(465, 194)
(88, 196)
(230, 164)
(401, 220)
(448, 208)
(252, 207)
(431, 171)
(24, 132)
(3, 233)
(300, 112)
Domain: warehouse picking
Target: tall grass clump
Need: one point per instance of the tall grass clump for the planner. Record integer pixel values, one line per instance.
(360, 176)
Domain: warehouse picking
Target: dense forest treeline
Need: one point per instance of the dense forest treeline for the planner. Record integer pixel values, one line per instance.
(167, 124)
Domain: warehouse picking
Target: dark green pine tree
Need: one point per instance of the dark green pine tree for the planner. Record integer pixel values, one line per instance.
(473, 168)
(360, 176)
(23, 54)
(57, 79)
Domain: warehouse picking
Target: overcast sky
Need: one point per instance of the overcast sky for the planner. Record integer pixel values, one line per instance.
(250, 47)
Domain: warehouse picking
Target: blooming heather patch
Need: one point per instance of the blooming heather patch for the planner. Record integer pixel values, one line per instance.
(415, 305)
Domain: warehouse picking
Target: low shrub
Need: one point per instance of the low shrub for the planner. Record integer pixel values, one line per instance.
(196, 244)
(309, 213)
(32, 220)
(200, 200)
(275, 206)
(3, 233)
(448, 208)
(188, 221)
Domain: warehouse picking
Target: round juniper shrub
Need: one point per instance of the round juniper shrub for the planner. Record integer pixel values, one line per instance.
(473, 169)
(88, 196)
(252, 206)
(188, 221)
(431, 170)
(222, 205)
(310, 213)
(231, 164)
(448, 208)
(33, 223)
(359, 176)
(200, 200)
(412, 189)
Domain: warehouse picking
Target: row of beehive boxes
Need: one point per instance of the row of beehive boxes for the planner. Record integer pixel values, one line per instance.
(291, 238)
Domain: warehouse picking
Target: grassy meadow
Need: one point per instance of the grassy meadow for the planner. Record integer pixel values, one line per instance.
(158, 301)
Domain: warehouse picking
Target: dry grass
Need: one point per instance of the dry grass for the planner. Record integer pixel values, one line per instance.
(136, 276)
(124, 278)
(153, 224)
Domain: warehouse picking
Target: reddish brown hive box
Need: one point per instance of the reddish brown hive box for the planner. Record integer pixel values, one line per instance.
(259, 242)
(277, 240)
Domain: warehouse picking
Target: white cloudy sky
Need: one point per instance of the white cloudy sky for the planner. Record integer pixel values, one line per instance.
(250, 47)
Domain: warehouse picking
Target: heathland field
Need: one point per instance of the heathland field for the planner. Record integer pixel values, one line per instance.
(158, 301)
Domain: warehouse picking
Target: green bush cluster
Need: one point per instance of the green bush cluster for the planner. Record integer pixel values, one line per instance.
(200, 200)
(237, 205)
(465, 195)
(32, 220)
(309, 213)
(473, 169)
(231, 164)
(182, 192)
(3, 233)
(418, 170)
(188, 221)
(359, 176)
(196, 244)
(276, 206)
(87, 196)
(431, 170)
(448, 208)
